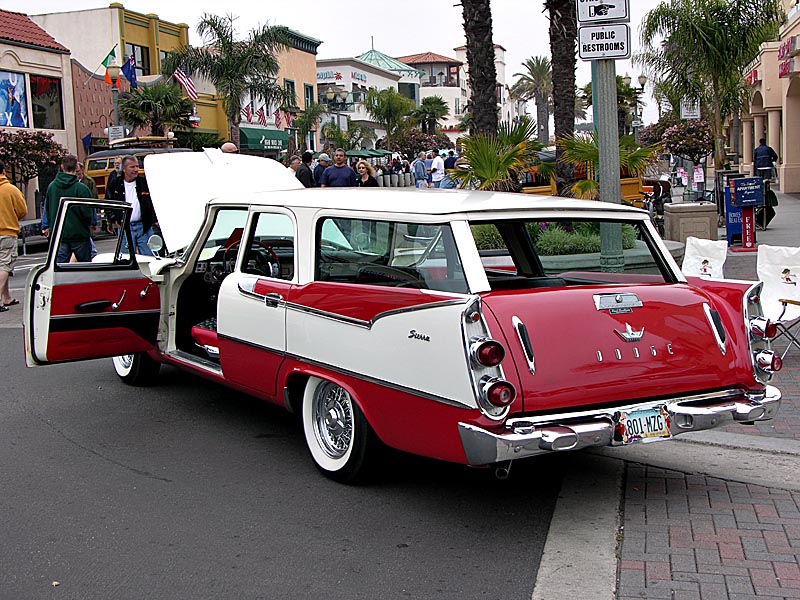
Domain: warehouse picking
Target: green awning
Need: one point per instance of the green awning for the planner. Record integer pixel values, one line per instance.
(358, 154)
(258, 138)
(377, 153)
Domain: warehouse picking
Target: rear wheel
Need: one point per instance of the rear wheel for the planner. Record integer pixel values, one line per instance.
(337, 433)
(136, 369)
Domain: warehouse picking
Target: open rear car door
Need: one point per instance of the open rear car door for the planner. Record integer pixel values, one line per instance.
(89, 309)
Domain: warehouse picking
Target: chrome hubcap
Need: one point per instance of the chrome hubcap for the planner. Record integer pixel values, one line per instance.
(333, 419)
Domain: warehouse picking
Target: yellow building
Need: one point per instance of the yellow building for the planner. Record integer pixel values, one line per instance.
(774, 111)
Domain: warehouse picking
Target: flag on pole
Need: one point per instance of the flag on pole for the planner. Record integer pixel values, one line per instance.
(129, 70)
(277, 115)
(247, 113)
(262, 116)
(187, 83)
(287, 115)
(109, 60)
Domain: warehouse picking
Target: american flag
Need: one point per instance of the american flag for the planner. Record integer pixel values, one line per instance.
(288, 117)
(187, 83)
(262, 117)
(277, 115)
(247, 113)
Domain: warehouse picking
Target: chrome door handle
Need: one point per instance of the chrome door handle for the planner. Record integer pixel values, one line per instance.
(273, 299)
(117, 304)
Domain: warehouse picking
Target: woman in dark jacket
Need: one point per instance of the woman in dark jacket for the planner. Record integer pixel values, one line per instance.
(366, 175)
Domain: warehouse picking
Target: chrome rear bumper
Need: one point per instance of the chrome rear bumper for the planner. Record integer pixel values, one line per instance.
(529, 436)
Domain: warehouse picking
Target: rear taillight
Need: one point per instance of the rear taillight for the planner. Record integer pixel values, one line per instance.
(769, 361)
(763, 328)
(498, 392)
(487, 352)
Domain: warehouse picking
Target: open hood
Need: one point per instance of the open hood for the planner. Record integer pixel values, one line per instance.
(182, 183)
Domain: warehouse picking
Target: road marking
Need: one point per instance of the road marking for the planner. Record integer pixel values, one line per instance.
(580, 554)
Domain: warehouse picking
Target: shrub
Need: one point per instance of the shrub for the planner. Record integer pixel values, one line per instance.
(487, 237)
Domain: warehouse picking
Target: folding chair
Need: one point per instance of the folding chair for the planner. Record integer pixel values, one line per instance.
(704, 258)
(779, 270)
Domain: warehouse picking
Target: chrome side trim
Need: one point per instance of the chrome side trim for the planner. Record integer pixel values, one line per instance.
(525, 342)
(352, 320)
(529, 436)
(713, 325)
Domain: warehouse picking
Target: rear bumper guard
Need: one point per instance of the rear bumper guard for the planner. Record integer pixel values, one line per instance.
(529, 436)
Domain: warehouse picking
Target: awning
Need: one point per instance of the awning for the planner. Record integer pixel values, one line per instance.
(258, 138)
(358, 154)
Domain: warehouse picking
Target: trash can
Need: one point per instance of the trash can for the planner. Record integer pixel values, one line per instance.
(698, 219)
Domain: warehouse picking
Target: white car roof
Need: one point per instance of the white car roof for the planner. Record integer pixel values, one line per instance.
(183, 184)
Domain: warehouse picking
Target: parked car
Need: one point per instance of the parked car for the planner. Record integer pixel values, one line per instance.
(450, 324)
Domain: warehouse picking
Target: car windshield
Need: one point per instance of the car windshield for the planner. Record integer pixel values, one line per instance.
(520, 253)
(389, 253)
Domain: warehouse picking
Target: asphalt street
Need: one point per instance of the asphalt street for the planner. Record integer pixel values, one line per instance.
(188, 490)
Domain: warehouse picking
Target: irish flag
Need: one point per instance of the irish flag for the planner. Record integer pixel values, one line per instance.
(108, 60)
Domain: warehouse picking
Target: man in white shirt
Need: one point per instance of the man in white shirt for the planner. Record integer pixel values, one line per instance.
(132, 188)
(437, 170)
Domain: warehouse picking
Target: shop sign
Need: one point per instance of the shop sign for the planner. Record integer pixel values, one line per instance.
(358, 76)
(788, 48)
(753, 77)
(329, 75)
(787, 68)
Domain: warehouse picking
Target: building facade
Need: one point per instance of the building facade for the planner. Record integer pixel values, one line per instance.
(35, 88)
(774, 111)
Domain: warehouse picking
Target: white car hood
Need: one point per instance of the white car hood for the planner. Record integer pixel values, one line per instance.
(182, 183)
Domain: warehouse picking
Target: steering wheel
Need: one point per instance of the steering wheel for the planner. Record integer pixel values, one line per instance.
(402, 277)
(272, 268)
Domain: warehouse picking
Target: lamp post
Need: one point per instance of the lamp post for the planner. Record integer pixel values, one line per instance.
(637, 112)
(337, 102)
(113, 73)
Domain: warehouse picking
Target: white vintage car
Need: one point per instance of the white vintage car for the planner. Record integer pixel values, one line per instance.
(471, 327)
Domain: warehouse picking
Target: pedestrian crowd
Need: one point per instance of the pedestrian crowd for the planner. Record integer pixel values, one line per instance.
(429, 170)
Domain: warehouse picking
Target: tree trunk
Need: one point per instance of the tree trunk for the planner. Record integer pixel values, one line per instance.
(542, 119)
(235, 138)
(563, 35)
(480, 57)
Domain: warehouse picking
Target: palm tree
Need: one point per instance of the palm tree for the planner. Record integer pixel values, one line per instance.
(159, 106)
(537, 83)
(582, 150)
(480, 57)
(236, 68)
(352, 139)
(563, 36)
(431, 110)
(309, 120)
(707, 44)
(389, 109)
(628, 101)
(495, 161)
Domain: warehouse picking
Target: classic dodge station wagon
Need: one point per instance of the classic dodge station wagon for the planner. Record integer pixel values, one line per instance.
(472, 327)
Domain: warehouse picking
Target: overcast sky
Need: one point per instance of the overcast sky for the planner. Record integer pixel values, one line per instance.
(350, 28)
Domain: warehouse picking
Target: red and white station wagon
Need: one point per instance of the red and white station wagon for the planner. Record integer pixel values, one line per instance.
(471, 327)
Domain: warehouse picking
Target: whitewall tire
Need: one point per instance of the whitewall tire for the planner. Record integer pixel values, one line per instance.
(136, 369)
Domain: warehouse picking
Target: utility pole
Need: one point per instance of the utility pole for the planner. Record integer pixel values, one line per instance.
(603, 37)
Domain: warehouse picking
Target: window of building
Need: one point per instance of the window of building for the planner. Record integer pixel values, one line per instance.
(288, 85)
(13, 100)
(162, 57)
(141, 57)
(308, 93)
(46, 102)
(457, 103)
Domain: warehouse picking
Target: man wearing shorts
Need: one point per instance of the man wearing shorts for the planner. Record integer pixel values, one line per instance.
(12, 209)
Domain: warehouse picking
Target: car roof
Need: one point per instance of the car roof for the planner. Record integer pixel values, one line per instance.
(133, 151)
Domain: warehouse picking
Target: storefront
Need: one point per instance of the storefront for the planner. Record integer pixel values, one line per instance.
(263, 142)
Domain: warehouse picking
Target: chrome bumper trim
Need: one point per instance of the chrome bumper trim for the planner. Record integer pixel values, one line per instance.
(529, 436)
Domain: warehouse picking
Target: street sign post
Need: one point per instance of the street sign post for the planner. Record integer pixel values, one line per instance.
(597, 11)
(609, 41)
(116, 132)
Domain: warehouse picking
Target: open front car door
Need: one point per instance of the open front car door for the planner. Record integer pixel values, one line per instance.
(77, 308)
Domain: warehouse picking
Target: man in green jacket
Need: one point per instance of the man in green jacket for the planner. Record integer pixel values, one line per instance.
(76, 229)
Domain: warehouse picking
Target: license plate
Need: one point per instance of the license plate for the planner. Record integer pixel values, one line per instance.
(645, 424)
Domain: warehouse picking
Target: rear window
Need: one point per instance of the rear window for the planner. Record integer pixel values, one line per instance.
(519, 254)
(97, 164)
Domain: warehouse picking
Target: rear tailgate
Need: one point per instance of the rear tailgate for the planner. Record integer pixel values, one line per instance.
(600, 345)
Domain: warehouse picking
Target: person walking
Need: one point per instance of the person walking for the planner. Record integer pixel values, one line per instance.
(420, 172)
(437, 170)
(12, 209)
(366, 175)
(323, 162)
(450, 161)
(428, 166)
(303, 171)
(75, 236)
(339, 174)
(763, 157)
(132, 188)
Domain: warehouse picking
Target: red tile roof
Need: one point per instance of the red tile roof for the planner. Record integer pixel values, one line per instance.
(426, 57)
(17, 28)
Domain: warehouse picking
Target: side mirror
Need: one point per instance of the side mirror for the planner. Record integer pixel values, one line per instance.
(155, 243)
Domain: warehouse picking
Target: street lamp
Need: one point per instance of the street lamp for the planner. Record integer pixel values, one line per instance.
(637, 107)
(337, 102)
(113, 73)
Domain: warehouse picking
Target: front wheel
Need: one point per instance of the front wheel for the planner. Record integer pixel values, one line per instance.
(337, 433)
(136, 369)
